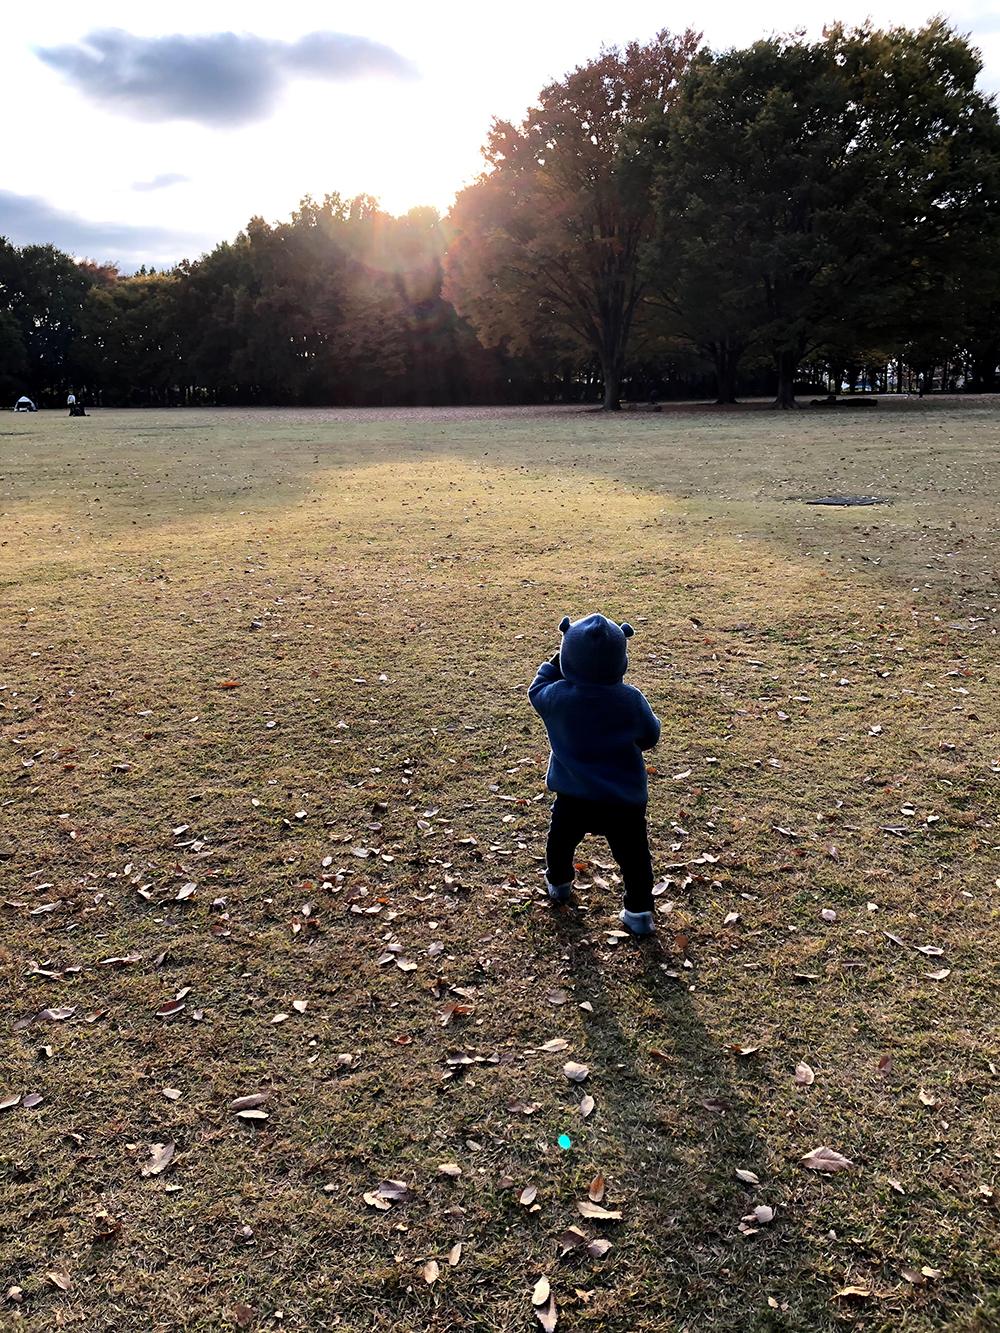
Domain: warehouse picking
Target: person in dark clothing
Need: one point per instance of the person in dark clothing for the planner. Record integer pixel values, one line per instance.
(598, 728)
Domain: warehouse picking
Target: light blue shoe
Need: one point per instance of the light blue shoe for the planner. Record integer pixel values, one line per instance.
(637, 923)
(559, 893)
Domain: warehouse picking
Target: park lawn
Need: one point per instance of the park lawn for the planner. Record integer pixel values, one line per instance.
(282, 657)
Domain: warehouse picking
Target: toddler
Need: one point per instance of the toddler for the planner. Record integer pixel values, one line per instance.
(598, 728)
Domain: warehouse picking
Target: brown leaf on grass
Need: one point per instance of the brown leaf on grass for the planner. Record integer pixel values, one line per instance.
(455, 1255)
(170, 1008)
(548, 1315)
(243, 1314)
(665, 1056)
(454, 1010)
(300, 1006)
(398, 1191)
(929, 950)
(451, 1169)
(229, 684)
(596, 1191)
(160, 1157)
(717, 1105)
(56, 1015)
(597, 1249)
(557, 997)
(928, 1098)
(939, 975)
(528, 1195)
(804, 1075)
(827, 1160)
(885, 1064)
(854, 1293)
(748, 1177)
(587, 1105)
(185, 892)
(280, 1018)
(913, 1276)
(556, 1044)
(828, 914)
(762, 1214)
(431, 1271)
(252, 1115)
(575, 1072)
(60, 1278)
(248, 1103)
(587, 1209)
(744, 1051)
(171, 1094)
(542, 1291)
(374, 1201)
(121, 962)
(11, 1099)
(570, 1239)
(31, 1099)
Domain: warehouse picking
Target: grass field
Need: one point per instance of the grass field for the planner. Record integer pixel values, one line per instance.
(271, 812)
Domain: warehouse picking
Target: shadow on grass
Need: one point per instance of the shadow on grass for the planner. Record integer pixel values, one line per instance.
(680, 1115)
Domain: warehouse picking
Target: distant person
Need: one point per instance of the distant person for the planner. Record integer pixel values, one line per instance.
(598, 728)
(71, 403)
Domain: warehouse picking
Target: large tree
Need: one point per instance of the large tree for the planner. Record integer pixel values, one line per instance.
(832, 187)
(547, 242)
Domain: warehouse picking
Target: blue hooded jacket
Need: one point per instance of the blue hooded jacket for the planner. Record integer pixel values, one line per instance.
(597, 725)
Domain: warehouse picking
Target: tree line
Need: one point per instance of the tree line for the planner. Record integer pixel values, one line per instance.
(666, 220)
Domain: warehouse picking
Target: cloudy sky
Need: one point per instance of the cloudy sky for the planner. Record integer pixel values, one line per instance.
(145, 133)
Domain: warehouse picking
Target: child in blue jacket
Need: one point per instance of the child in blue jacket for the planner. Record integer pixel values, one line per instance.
(598, 728)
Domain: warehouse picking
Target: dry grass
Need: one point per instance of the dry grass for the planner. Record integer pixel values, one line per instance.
(405, 574)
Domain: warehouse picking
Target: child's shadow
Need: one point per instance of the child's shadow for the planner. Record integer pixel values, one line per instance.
(672, 1113)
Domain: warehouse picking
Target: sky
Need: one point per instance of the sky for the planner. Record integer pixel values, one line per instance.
(147, 133)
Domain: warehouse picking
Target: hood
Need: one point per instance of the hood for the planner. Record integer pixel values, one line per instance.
(593, 650)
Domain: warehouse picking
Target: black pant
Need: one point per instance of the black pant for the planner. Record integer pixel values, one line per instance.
(623, 825)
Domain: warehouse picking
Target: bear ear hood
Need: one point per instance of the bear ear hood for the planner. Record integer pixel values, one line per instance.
(593, 650)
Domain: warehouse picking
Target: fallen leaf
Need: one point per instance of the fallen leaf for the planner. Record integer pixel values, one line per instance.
(249, 1102)
(744, 1050)
(859, 1293)
(827, 1160)
(912, 1276)
(396, 1190)
(56, 1015)
(528, 1195)
(31, 1099)
(556, 1044)
(828, 914)
(804, 1075)
(597, 1249)
(576, 1073)
(455, 1255)
(750, 1177)
(762, 1214)
(547, 1315)
(160, 1157)
(450, 1169)
(542, 1291)
(252, 1115)
(60, 1278)
(885, 1064)
(300, 1006)
(939, 975)
(280, 1018)
(431, 1271)
(171, 1094)
(587, 1105)
(374, 1201)
(169, 1008)
(242, 1313)
(11, 1099)
(928, 1098)
(185, 891)
(571, 1238)
(587, 1209)
(930, 950)
(596, 1191)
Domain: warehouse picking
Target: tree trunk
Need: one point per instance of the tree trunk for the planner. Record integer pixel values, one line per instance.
(726, 361)
(612, 388)
(787, 363)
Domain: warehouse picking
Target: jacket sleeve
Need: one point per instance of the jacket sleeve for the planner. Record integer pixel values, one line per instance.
(648, 725)
(548, 674)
